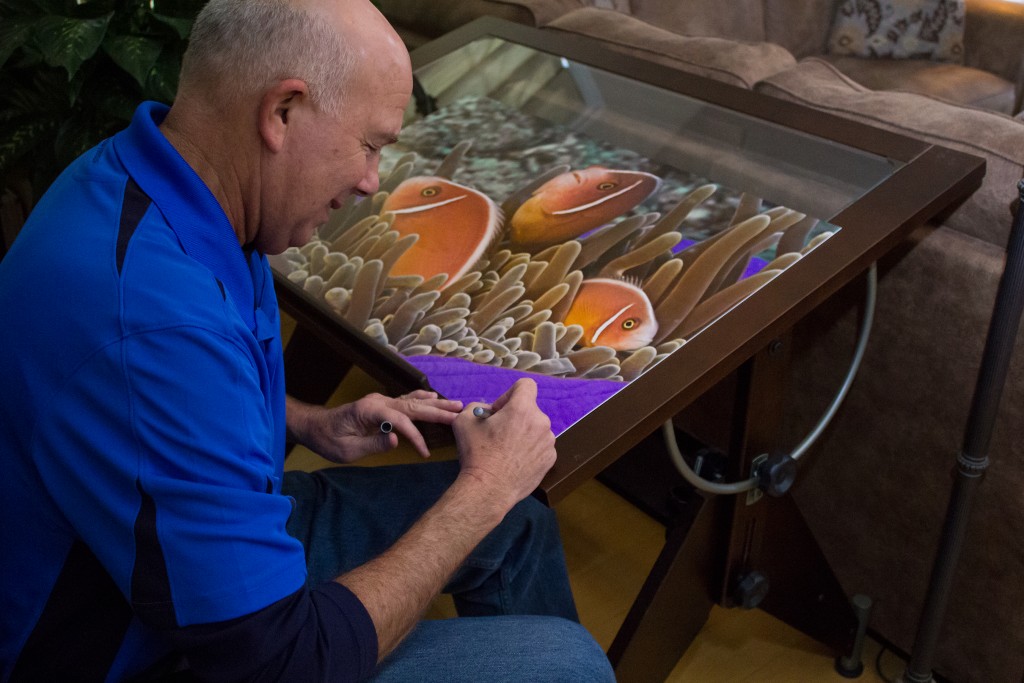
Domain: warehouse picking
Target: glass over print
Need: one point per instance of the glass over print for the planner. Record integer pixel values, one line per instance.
(554, 220)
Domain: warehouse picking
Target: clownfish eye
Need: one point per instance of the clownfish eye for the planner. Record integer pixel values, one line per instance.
(630, 323)
(431, 191)
(607, 185)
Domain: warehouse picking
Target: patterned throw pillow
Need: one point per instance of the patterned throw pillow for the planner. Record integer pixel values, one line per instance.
(899, 29)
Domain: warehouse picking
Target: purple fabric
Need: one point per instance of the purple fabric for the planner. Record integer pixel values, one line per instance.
(564, 399)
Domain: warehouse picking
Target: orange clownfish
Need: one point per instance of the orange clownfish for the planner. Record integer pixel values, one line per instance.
(613, 313)
(455, 225)
(572, 203)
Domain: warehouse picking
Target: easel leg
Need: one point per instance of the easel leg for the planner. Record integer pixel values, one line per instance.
(804, 591)
(673, 603)
(718, 541)
(769, 537)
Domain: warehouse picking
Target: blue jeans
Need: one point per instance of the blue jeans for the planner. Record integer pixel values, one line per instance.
(345, 516)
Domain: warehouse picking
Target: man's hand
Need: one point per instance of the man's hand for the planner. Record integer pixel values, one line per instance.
(349, 432)
(502, 460)
(509, 452)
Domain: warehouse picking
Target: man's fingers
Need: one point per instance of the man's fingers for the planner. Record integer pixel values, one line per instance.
(420, 394)
(524, 389)
(429, 409)
(404, 426)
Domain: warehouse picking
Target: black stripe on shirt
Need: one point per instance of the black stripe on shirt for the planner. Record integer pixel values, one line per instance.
(80, 630)
(133, 208)
(151, 586)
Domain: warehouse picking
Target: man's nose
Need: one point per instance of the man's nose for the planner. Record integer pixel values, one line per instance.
(370, 182)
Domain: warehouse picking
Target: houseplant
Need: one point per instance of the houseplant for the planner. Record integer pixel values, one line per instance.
(71, 74)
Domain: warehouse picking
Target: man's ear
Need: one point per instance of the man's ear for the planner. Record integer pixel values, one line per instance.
(277, 109)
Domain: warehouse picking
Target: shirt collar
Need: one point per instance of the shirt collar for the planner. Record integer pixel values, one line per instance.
(187, 204)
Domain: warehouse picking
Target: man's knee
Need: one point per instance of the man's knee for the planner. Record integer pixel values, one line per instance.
(532, 515)
(573, 655)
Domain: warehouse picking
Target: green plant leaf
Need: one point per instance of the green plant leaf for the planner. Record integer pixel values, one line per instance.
(13, 34)
(134, 54)
(120, 107)
(183, 27)
(181, 8)
(17, 141)
(51, 6)
(38, 94)
(69, 42)
(79, 72)
(91, 8)
(163, 79)
(74, 137)
(27, 7)
(52, 88)
(115, 102)
(75, 85)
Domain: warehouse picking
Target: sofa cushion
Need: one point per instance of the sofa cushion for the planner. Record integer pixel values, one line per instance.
(620, 5)
(734, 62)
(744, 19)
(417, 21)
(998, 138)
(952, 82)
(799, 26)
(930, 29)
(994, 37)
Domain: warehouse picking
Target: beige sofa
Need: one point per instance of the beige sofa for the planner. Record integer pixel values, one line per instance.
(875, 487)
(991, 76)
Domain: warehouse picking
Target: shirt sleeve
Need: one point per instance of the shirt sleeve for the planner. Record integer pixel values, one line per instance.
(319, 635)
(208, 479)
(160, 454)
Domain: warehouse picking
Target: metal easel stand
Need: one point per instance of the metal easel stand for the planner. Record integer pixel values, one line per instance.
(972, 462)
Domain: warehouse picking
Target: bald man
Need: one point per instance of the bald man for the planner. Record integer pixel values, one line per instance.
(149, 530)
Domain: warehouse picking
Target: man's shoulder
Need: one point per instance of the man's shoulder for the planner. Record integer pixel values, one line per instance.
(77, 261)
(162, 286)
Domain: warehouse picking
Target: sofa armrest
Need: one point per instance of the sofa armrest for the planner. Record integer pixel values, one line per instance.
(735, 62)
(997, 138)
(418, 21)
(546, 11)
(994, 38)
(1018, 105)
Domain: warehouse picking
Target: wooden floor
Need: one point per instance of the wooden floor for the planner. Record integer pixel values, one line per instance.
(610, 547)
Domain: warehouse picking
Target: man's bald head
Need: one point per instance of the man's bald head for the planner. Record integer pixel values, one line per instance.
(283, 108)
(238, 48)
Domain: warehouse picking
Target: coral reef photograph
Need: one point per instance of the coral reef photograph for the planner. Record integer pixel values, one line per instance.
(499, 242)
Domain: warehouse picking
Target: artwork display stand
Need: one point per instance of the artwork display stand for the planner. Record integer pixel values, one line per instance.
(741, 551)
(973, 461)
(730, 162)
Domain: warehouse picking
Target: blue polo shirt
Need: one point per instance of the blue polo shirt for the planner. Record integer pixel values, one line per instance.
(142, 432)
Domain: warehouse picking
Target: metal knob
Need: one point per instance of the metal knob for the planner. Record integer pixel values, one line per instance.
(776, 474)
(751, 589)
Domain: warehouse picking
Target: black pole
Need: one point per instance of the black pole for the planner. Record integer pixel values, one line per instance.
(972, 462)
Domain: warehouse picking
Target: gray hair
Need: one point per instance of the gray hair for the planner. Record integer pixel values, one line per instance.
(240, 47)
